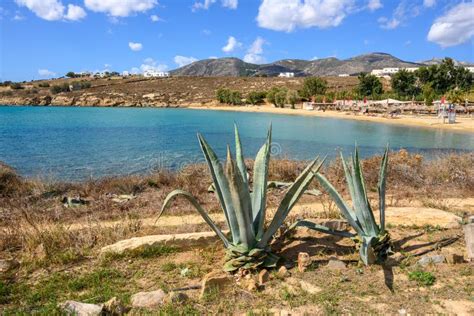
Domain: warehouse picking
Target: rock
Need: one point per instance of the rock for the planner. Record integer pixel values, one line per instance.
(252, 285)
(215, 282)
(283, 272)
(336, 224)
(309, 288)
(122, 198)
(176, 297)
(150, 300)
(452, 257)
(469, 238)
(431, 259)
(178, 240)
(263, 277)
(304, 261)
(80, 309)
(335, 264)
(8, 268)
(114, 307)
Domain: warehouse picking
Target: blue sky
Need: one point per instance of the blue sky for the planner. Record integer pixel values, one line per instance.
(47, 38)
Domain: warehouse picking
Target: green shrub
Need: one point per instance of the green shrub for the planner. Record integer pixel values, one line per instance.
(227, 96)
(280, 98)
(44, 85)
(60, 88)
(16, 86)
(292, 97)
(423, 278)
(313, 86)
(256, 97)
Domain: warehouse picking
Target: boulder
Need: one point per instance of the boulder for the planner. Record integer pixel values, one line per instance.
(149, 300)
(215, 282)
(80, 309)
(283, 272)
(431, 259)
(469, 238)
(335, 264)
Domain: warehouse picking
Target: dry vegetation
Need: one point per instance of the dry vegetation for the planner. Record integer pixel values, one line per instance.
(57, 245)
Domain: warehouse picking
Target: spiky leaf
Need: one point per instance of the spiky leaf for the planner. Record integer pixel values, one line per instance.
(381, 188)
(321, 228)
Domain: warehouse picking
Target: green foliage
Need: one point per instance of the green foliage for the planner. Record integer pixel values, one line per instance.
(313, 86)
(55, 89)
(456, 96)
(79, 85)
(422, 277)
(372, 239)
(43, 85)
(256, 97)
(16, 86)
(280, 98)
(429, 94)
(228, 96)
(446, 76)
(71, 74)
(5, 83)
(292, 97)
(404, 83)
(245, 209)
(369, 85)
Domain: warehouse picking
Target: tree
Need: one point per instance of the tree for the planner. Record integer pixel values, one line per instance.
(456, 96)
(292, 98)
(71, 74)
(280, 98)
(369, 85)
(313, 86)
(404, 83)
(256, 97)
(429, 93)
(271, 95)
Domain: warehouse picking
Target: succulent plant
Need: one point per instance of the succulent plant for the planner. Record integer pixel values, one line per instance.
(245, 210)
(372, 239)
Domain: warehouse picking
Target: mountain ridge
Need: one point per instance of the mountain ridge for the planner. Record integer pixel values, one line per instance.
(331, 66)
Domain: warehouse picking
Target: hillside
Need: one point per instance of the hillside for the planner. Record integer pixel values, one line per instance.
(234, 67)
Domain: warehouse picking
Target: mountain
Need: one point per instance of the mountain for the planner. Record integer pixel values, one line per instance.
(437, 61)
(234, 67)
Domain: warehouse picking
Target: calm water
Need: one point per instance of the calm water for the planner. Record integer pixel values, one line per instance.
(78, 143)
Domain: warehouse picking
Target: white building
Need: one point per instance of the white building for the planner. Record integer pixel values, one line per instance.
(411, 69)
(377, 72)
(156, 74)
(286, 74)
(471, 69)
(343, 75)
(390, 70)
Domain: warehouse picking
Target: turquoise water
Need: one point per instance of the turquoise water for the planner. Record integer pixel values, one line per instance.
(70, 143)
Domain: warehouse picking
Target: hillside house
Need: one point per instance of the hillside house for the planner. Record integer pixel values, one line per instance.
(286, 74)
(343, 75)
(156, 74)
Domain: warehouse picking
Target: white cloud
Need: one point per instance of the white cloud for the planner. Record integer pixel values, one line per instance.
(18, 17)
(230, 4)
(206, 32)
(429, 3)
(287, 15)
(150, 64)
(455, 27)
(53, 10)
(213, 57)
(155, 18)
(389, 24)
(120, 8)
(374, 5)
(75, 13)
(45, 73)
(405, 9)
(183, 61)
(254, 53)
(136, 47)
(231, 45)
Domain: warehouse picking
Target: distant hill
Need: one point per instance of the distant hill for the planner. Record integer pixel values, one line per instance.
(234, 67)
(437, 61)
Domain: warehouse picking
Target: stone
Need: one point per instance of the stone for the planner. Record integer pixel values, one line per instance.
(431, 259)
(304, 261)
(452, 257)
(469, 238)
(80, 309)
(150, 300)
(309, 288)
(215, 282)
(252, 285)
(336, 224)
(8, 268)
(283, 272)
(335, 264)
(184, 241)
(114, 307)
(263, 277)
(176, 297)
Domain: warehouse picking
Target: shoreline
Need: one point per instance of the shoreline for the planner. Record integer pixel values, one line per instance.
(463, 124)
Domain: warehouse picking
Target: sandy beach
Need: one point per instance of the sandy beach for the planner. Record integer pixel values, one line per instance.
(463, 123)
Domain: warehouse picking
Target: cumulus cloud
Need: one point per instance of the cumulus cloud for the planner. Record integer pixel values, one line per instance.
(231, 45)
(374, 5)
(136, 47)
(455, 27)
(287, 15)
(53, 10)
(389, 24)
(120, 8)
(429, 3)
(254, 53)
(206, 4)
(155, 18)
(150, 64)
(45, 73)
(183, 60)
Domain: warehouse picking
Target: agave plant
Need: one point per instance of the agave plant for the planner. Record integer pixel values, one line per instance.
(372, 239)
(245, 209)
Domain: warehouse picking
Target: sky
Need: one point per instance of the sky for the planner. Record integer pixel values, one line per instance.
(47, 38)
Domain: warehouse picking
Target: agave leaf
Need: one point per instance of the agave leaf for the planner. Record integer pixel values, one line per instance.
(222, 188)
(198, 207)
(341, 204)
(350, 185)
(289, 200)
(260, 176)
(240, 197)
(366, 251)
(239, 157)
(362, 205)
(321, 228)
(381, 188)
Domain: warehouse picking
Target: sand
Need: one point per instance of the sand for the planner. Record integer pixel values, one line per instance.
(463, 124)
